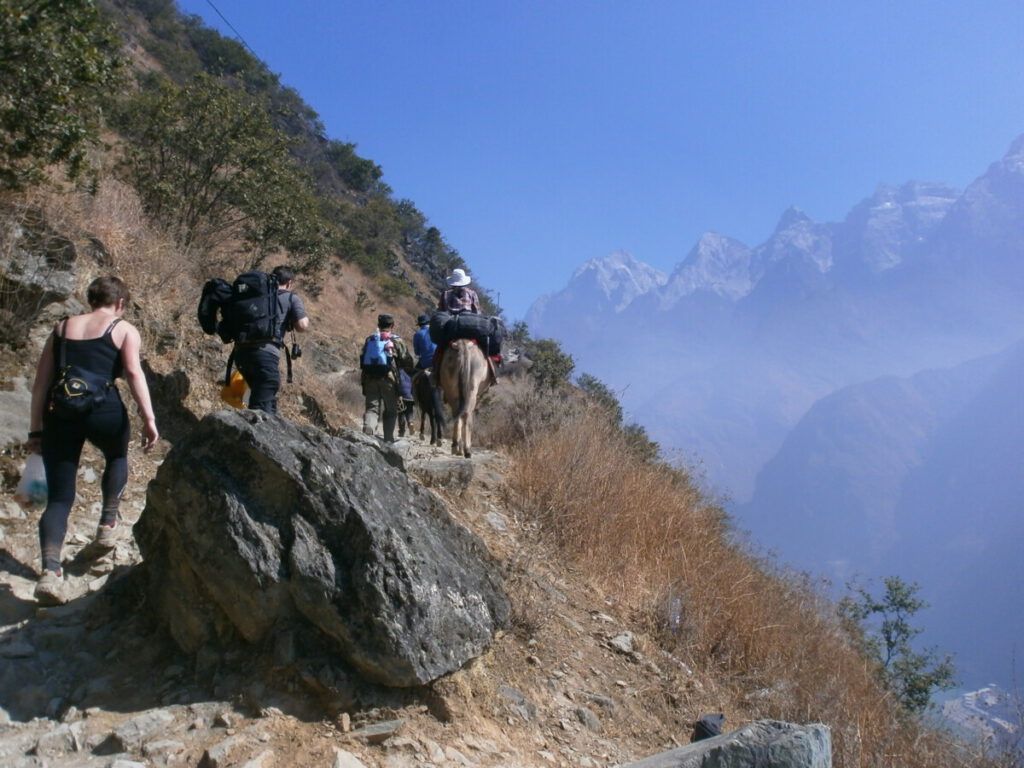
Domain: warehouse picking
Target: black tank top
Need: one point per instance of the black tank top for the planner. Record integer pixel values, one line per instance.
(98, 355)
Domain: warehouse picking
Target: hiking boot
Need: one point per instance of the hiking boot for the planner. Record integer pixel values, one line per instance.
(107, 536)
(51, 589)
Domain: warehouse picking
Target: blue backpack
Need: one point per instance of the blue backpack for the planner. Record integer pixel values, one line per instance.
(376, 360)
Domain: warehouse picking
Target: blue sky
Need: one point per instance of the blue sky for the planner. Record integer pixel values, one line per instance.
(538, 134)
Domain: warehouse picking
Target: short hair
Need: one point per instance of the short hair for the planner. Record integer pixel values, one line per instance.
(284, 274)
(106, 291)
(385, 321)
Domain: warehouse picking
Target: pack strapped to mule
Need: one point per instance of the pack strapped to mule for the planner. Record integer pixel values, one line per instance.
(487, 332)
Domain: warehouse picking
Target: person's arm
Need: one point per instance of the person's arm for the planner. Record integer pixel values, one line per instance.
(40, 389)
(299, 318)
(133, 374)
(476, 303)
(405, 360)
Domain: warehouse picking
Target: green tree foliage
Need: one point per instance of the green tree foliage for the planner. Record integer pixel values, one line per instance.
(883, 627)
(551, 366)
(641, 443)
(356, 172)
(602, 395)
(58, 60)
(488, 304)
(392, 288)
(374, 228)
(211, 167)
(519, 334)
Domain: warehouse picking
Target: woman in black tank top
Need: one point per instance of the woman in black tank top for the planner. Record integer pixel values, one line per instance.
(102, 343)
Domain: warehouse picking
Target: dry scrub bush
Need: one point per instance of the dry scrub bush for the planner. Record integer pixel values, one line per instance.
(650, 538)
(513, 412)
(348, 393)
(163, 277)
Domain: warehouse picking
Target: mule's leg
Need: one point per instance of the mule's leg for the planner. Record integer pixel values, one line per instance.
(467, 433)
(456, 434)
(437, 417)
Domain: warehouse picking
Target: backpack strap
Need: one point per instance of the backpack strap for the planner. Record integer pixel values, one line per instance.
(227, 373)
(62, 329)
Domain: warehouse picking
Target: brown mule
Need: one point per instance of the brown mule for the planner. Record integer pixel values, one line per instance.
(464, 377)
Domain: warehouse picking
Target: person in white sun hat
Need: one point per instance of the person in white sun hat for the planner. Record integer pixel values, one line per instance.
(458, 297)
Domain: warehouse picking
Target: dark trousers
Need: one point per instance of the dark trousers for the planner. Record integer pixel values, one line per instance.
(260, 365)
(108, 429)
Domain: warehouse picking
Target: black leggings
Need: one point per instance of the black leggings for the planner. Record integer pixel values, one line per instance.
(109, 430)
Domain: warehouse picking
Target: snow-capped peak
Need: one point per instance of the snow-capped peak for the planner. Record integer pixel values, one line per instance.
(717, 264)
(620, 277)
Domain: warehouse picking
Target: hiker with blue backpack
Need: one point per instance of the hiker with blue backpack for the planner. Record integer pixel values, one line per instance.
(255, 312)
(383, 355)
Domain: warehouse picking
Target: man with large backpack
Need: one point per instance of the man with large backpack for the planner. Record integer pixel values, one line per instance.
(384, 353)
(255, 313)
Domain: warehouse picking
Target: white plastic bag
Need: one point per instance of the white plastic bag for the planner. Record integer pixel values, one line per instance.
(31, 490)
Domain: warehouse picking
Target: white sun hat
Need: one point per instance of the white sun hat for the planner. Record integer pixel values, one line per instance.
(458, 277)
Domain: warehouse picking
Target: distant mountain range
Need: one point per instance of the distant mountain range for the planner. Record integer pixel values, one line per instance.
(854, 388)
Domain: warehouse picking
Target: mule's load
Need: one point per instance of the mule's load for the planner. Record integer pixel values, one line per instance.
(487, 332)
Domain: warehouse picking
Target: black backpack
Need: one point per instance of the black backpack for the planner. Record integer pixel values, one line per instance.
(249, 309)
(707, 727)
(216, 293)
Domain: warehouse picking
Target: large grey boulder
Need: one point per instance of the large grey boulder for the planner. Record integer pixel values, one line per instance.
(253, 523)
(764, 744)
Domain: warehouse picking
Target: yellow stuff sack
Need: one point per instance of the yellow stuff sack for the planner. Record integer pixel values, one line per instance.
(233, 393)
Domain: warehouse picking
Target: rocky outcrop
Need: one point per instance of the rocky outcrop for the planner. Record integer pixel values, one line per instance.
(36, 269)
(254, 524)
(764, 744)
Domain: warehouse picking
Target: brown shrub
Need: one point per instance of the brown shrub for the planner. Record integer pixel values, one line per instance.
(657, 546)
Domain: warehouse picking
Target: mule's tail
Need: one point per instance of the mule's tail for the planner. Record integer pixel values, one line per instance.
(465, 379)
(437, 407)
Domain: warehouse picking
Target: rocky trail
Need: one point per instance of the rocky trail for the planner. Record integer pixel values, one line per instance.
(96, 683)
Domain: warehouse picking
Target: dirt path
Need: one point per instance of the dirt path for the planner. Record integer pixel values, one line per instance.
(93, 683)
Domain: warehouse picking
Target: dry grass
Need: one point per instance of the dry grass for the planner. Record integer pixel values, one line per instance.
(652, 541)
